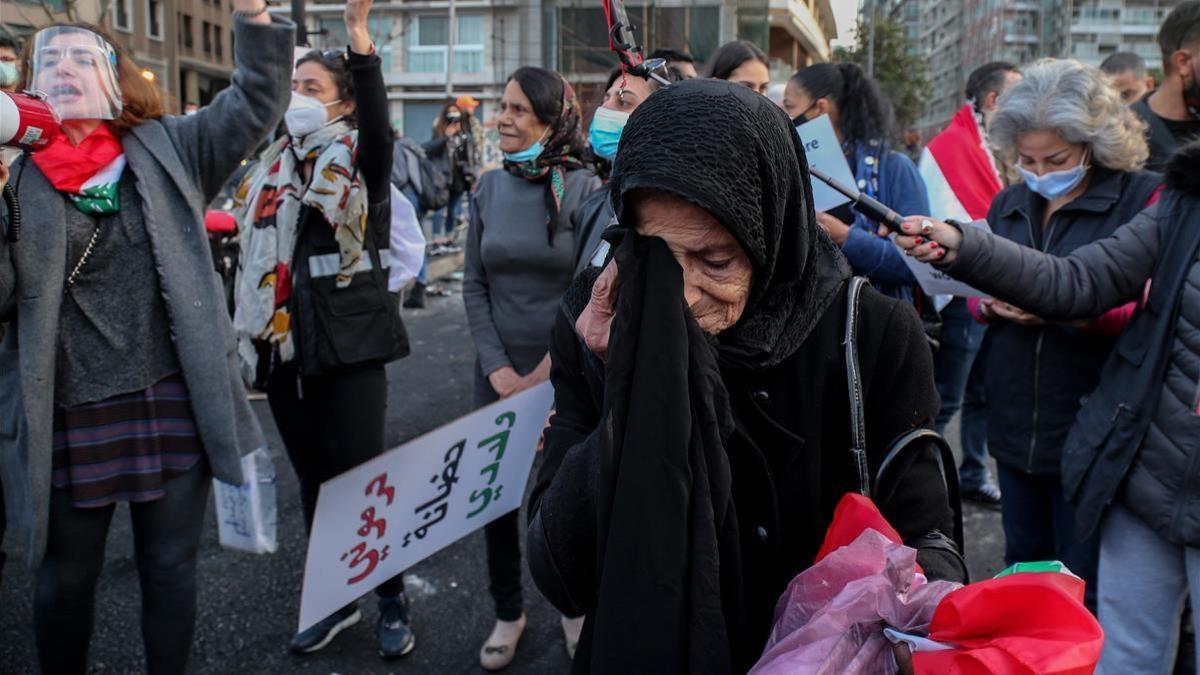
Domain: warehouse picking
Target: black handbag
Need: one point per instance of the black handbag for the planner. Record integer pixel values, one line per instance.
(910, 441)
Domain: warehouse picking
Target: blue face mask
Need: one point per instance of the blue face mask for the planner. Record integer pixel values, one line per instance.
(528, 154)
(1056, 183)
(605, 134)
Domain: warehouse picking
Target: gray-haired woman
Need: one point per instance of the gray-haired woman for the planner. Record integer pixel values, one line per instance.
(1080, 153)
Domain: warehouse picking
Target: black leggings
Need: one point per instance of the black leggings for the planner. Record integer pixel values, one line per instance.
(166, 535)
(330, 424)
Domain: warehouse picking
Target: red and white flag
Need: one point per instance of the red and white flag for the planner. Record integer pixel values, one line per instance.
(959, 171)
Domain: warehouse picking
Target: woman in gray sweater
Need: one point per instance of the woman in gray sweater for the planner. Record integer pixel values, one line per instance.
(521, 256)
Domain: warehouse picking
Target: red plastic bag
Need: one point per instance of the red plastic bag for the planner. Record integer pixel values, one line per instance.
(854, 515)
(1021, 624)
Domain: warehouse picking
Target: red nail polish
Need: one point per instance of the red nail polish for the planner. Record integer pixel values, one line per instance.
(934, 244)
(920, 240)
(941, 254)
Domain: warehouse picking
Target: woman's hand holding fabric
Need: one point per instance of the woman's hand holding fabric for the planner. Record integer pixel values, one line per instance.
(836, 229)
(504, 381)
(595, 322)
(929, 240)
(355, 16)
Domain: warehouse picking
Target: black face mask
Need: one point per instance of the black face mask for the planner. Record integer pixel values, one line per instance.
(800, 120)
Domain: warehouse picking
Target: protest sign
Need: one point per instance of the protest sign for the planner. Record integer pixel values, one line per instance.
(823, 151)
(936, 282)
(388, 514)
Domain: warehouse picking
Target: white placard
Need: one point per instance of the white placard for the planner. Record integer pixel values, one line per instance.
(823, 151)
(388, 514)
(936, 282)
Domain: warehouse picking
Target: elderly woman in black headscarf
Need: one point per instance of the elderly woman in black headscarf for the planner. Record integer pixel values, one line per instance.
(702, 433)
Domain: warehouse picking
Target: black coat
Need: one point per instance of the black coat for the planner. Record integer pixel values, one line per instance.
(1132, 432)
(789, 459)
(1039, 373)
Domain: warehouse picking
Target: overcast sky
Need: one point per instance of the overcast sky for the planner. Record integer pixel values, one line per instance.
(844, 12)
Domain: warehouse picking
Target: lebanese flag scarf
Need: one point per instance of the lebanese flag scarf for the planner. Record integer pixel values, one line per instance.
(88, 173)
(959, 171)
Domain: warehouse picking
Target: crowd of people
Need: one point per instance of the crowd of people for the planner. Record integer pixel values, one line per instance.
(721, 376)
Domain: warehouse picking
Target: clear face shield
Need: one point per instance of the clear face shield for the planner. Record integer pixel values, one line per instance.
(77, 71)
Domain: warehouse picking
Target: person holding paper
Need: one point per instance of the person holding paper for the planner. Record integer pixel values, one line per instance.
(1079, 151)
(862, 119)
(1130, 459)
(522, 251)
(702, 428)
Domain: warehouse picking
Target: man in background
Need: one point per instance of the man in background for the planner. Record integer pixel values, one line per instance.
(962, 175)
(1172, 112)
(1127, 73)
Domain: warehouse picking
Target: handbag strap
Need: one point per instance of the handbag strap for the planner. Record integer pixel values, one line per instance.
(858, 429)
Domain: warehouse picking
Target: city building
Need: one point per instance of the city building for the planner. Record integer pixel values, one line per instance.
(184, 46)
(492, 38)
(1099, 28)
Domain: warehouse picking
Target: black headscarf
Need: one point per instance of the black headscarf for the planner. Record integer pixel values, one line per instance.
(669, 583)
(735, 154)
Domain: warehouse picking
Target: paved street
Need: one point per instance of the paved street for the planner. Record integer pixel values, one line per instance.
(249, 604)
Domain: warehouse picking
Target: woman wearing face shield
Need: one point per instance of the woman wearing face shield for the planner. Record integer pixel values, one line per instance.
(702, 430)
(521, 256)
(1079, 152)
(314, 322)
(117, 382)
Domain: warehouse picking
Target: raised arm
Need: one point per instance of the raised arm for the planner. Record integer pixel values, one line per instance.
(1092, 280)
(370, 98)
(216, 139)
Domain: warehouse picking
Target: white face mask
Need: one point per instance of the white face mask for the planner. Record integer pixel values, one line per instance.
(306, 114)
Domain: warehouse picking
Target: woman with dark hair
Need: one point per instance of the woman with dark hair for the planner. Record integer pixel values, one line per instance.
(702, 429)
(117, 382)
(453, 148)
(742, 62)
(521, 257)
(314, 321)
(862, 119)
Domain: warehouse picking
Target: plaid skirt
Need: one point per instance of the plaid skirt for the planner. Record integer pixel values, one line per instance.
(124, 448)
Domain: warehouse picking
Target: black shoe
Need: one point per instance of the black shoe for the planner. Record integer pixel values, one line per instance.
(416, 297)
(323, 632)
(396, 637)
(986, 495)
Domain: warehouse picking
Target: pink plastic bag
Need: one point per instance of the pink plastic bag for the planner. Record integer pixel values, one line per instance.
(830, 619)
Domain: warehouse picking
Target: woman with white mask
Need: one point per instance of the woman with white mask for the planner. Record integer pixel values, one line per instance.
(314, 321)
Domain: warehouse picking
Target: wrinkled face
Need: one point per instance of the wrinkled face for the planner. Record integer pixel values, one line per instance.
(313, 79)
(72, 70)
(1131, 87)
(752, 74)
(716, 272)
(626, 93)
(518, 125)
(1044, 151)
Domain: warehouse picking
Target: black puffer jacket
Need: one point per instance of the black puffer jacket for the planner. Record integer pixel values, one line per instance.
(1139, 429)
(1041, 372)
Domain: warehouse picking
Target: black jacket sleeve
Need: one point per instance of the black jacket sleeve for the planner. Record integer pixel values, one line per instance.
(561, 538)
(374, 125)
(901, 396)
(1092, 280)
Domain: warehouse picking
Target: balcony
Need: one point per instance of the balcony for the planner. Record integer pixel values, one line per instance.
(795, 17)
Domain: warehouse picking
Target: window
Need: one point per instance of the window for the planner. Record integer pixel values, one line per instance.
(208, 47)
(185, 31)
(154, 20)
(218, 47)
(431, 37)
(123, 15)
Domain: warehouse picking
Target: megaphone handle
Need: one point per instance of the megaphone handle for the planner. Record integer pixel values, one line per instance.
(14, 213)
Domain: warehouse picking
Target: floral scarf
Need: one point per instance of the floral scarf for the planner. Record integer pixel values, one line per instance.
(561, 154)
(88, 173)
(268, 206)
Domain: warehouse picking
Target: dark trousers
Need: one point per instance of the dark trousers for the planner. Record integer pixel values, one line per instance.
(166, 535)
(1039, 524)
(503, 537)
(958, 369)
(330, 424)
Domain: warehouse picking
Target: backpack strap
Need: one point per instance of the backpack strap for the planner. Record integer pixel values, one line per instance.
(858, 429)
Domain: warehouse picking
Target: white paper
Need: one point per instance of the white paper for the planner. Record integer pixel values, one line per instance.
(823, 151)
(936, 282)
(388, 514)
